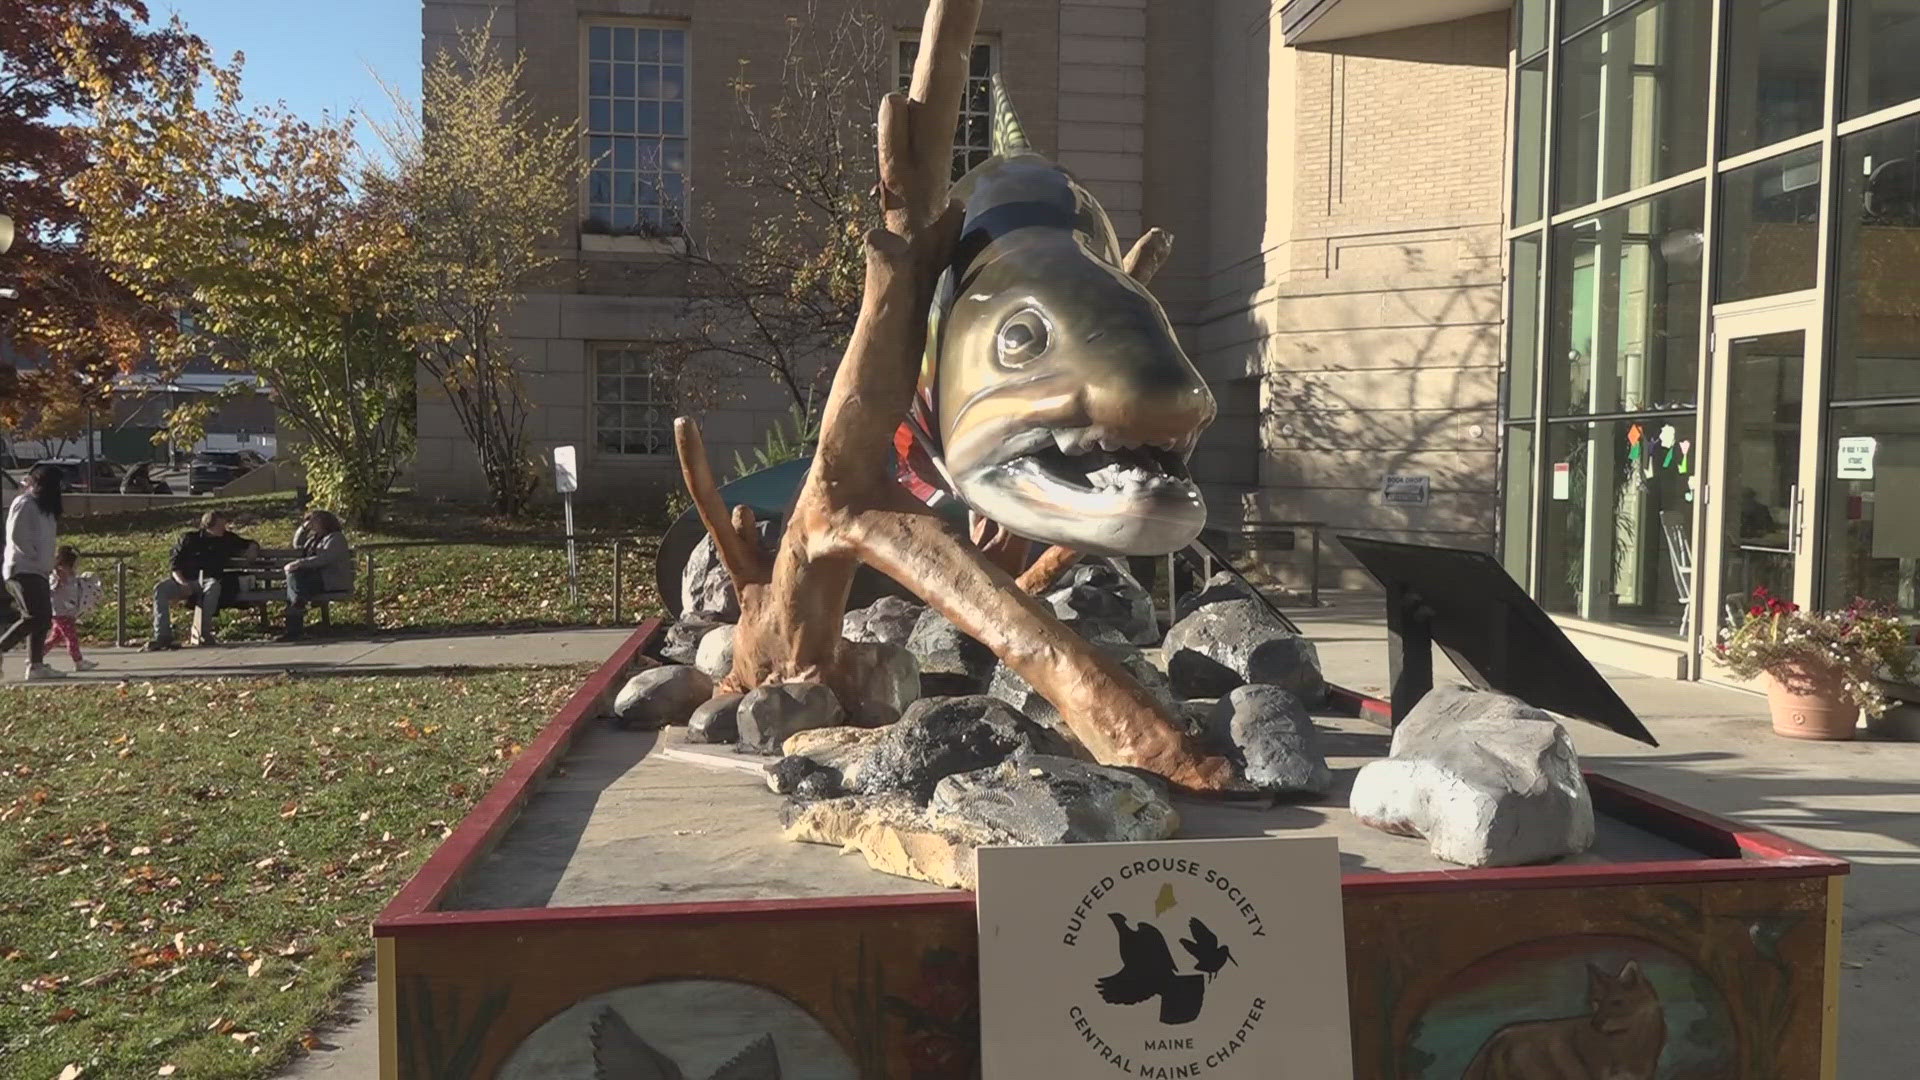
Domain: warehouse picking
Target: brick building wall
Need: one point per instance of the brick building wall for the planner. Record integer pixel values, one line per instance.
(1355, 275)
(604, 295)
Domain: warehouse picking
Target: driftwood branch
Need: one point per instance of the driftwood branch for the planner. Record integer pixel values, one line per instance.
(851, 510)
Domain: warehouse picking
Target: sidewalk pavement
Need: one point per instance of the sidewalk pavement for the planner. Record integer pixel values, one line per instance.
(382, 655)
(1856, 800)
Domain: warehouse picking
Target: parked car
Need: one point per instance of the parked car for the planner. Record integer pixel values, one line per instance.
(73, 475)
(215, 469)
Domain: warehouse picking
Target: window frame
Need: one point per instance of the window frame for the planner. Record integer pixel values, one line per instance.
(903, 75)
(670, 237)
(597, 352)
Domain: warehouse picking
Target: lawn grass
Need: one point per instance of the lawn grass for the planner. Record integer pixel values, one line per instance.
(500, 573)
(191, 867)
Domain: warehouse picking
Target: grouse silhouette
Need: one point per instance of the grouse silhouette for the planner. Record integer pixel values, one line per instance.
(619, 1053)
(1147, 971)
(1205, 948)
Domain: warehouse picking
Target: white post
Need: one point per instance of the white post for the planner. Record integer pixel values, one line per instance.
(566, 477)
(573, 563)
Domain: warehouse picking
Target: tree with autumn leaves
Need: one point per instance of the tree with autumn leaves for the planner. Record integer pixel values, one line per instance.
(79, 324)
(250, 220)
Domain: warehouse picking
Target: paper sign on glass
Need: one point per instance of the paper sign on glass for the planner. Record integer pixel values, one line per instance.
(1217, 959)
(1856, 457)
(566, 469)
(1562, 480)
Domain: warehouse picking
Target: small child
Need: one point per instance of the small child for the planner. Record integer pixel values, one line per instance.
(74, 596)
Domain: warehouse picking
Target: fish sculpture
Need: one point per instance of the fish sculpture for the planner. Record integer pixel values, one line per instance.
(1054, 397)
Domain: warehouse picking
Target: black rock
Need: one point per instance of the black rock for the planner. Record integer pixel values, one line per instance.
(939, 737)
(1037, 799)
(682, 640)
(768, 715)
(1094, 595)
(888, 678)
(717, 721)
(803, 778)
(951, 663)
(1267, 732)
(889, 620)
(1234, 642)
(661, 696)
(1220, 587)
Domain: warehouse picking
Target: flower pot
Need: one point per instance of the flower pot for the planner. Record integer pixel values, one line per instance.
(1810, 702)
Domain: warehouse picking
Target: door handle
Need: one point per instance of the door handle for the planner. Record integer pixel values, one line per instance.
(1797, 502)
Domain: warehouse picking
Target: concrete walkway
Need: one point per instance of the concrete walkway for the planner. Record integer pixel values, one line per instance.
(384, 655)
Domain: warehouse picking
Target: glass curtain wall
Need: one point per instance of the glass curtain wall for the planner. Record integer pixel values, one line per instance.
(1605, 304)
(1654, 176)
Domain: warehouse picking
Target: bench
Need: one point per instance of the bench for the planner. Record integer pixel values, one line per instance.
(262, 599)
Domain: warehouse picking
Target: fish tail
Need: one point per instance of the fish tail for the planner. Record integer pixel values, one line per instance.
(1009, 137)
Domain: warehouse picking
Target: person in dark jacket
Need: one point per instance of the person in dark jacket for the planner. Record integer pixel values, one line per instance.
(198, 572)
(325, 565)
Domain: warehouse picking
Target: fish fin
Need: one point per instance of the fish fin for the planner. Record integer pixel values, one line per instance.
(1009, 137)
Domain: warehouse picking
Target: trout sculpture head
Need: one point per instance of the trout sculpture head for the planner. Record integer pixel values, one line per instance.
(1067, 408)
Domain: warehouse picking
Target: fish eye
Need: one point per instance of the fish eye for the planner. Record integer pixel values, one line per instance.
(1024, 338)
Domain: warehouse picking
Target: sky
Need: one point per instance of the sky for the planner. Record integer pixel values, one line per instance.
(316, 57)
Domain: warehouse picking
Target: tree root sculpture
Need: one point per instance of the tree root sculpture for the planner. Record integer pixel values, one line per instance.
(851, 510)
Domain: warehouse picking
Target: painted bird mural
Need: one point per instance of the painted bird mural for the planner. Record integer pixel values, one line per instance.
(1147, 972)
(619, 1053)
(1054, 397)
(1208, 954)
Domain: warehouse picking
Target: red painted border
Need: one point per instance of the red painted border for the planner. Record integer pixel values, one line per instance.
(484, 824)
(1733, 851)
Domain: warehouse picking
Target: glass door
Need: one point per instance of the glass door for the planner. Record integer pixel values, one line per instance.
(1759, 513)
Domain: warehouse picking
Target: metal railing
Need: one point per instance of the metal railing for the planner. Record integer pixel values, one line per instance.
(620, 545)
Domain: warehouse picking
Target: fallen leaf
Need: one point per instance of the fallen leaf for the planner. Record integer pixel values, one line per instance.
(64, 1015)
(166, 1070)
(253, 969)
(71, 1072)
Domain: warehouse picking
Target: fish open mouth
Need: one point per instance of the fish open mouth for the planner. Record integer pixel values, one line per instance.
(1135, 470)
(1091, 492)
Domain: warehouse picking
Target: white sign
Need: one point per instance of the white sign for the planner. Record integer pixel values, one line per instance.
(1856, 457)
(566, 469)
(1218, 959)
(1562, 480)
(1405, 490)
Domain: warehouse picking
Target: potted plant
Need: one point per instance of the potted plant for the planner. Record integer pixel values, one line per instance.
(1822, 668)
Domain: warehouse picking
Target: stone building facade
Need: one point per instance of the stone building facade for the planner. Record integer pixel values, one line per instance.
(1334, 179)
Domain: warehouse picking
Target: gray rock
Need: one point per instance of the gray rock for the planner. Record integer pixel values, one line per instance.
(1037, 799)
(767, 716)
(940, 737)
(715, 655)
(661, 696)
(888, 678)
(705, 587)
(716, 721)
(1221, 586)
(1231, 643)
(1487, 779)
(1010, 687)
(1272, 739)
(681, 643)
(1095, 595)
(951, 663)
(889, 620)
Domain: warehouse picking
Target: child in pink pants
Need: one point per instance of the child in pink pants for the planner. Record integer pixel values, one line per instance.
(72, 598)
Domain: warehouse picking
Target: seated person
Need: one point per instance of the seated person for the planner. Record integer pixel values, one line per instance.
(325, 565)
(198, 575)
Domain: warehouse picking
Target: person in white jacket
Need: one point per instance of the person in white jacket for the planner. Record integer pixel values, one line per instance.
(33, 526)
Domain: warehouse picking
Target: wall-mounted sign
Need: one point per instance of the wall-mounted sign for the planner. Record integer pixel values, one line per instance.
(1220, 959)
(1405, 490)
(1855, 459)
(566, 469)
(1563, 480)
